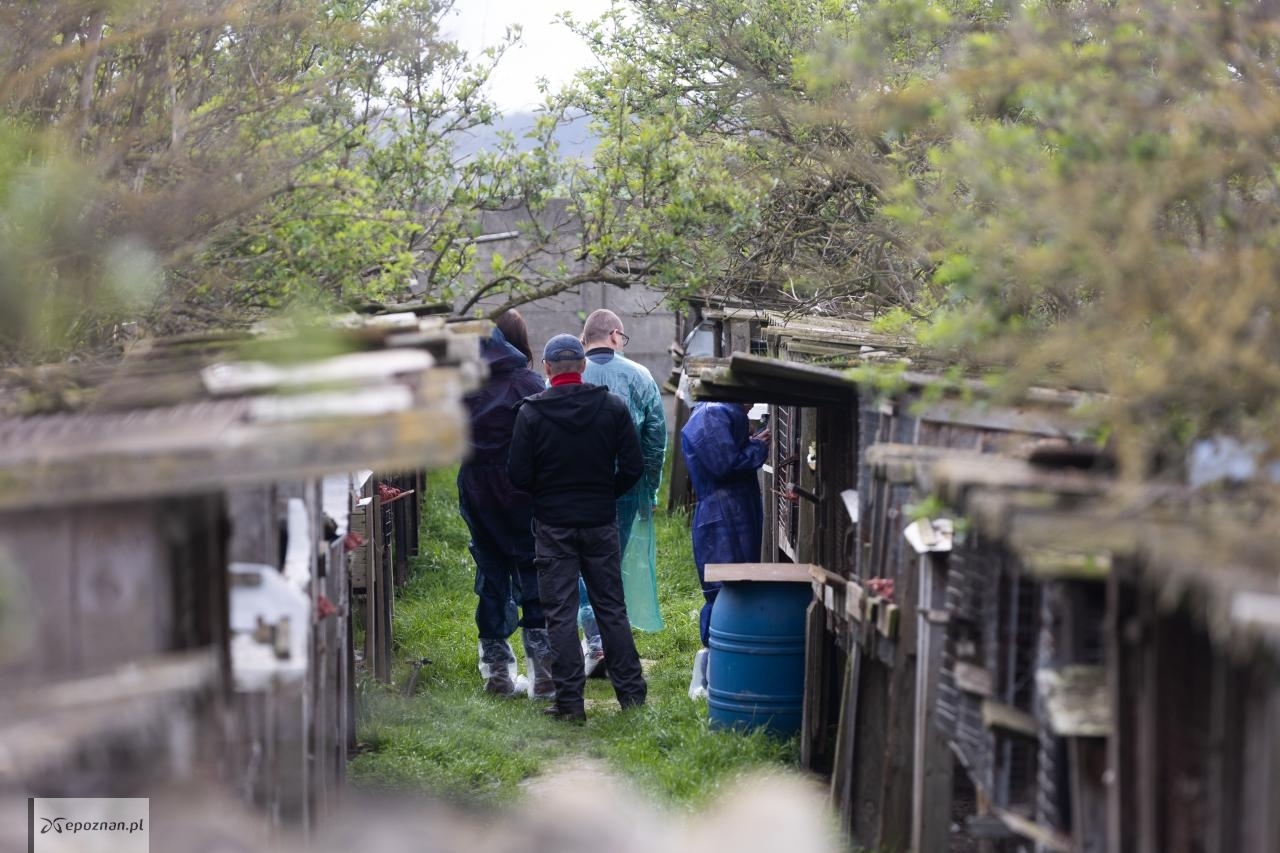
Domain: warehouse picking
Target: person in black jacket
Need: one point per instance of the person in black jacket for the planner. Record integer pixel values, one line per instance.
(574, 449)
(500, 519)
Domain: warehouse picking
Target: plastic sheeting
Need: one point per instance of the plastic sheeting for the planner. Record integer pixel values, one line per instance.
(640, 572)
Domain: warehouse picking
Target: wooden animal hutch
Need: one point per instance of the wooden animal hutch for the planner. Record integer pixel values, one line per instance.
(174, 546)
(1006, 649)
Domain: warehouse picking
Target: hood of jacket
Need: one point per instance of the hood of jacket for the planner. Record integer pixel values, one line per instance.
(573, 408)
(500, 355)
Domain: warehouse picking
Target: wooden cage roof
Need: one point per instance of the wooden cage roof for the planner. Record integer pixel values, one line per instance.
(1209, 550)
(196, 414)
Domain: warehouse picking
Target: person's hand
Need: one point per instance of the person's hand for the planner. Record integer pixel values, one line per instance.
(764, 435)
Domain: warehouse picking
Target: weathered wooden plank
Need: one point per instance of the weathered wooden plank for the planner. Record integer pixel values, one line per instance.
(1123, 681)
(241, 377)
(887, 619)
(854, 602)
(813, 710)
(1087, 763)
(897, 620)
(738, 333)
(952, 475)
(43, 727)
(1076, 700)
(359, 559)
(743, 365)
(723, 385)
(972, 678)
(39, 576)
(807, 485)
(931, 786)
(123, 585)
(255, 530)
(1255, 764)
(384, 597)
(1062, 564)
(843, 772)
(1148, 754)
(827, 577)
(219, 450)
(1030, 420)
(151, 677)
(784, 543)
(998, 715)
(1096, 535)
(784, 572)
(870, 750)
(900, 463)
(1044, 837)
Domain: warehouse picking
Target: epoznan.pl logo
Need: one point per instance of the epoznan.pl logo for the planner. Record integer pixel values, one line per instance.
(88, 825)
(61, 824)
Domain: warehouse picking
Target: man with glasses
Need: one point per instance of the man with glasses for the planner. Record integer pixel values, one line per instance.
(603, 339)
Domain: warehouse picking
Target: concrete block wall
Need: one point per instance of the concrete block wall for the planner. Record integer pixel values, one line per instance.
(651, 325)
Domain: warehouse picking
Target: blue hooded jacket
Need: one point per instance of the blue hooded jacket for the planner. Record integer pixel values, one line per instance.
(728, 522)
(482, 478)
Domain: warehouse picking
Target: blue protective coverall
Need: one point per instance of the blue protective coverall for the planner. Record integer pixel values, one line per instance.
(728, 521)
(497, 514)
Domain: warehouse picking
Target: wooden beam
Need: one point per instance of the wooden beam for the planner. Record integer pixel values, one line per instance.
(953, 475)
(1077, 700)
(887, 619)
(747, 365)
(843, 775)
(1062, 564)
(827, 577)
(1044, 837)
(47, 726)
(932, 772)
(998, 715)
(813, 713)
(216, 449)
(1033, 420)
(972, 678)
(783, 572)
(855, 598)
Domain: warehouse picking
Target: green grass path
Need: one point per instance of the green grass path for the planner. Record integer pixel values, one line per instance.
(452, 740)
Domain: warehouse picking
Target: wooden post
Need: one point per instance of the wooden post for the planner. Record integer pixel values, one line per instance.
(384, 569)
(1147, 733)
(813, 715)
(894, 820)
(1122, 682)
(1087, 758)
(842, 773)
(931, 783)
(808, 535)
(679, 490)
(770, 484)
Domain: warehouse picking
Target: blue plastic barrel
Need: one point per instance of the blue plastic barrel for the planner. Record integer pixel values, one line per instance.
(755, 672)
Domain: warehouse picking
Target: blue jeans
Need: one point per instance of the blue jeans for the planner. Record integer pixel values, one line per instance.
(506, 579)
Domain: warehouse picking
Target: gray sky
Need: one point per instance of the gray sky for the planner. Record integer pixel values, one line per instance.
(547, 49)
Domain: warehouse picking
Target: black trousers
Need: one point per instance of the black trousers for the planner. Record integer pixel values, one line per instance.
(562, 554)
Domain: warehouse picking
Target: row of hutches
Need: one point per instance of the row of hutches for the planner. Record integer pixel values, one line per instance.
(1008, 648)
(198, 548)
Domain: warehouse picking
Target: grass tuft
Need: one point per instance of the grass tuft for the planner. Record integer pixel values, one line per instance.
(453, 741)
